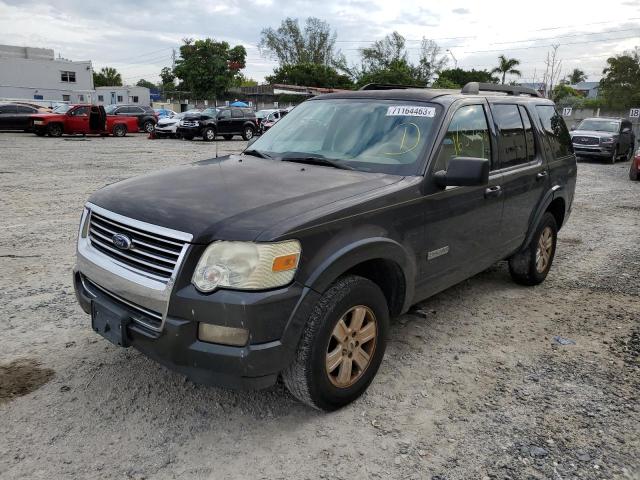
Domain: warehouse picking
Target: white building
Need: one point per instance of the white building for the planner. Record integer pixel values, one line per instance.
(35, 74)
(125, 94)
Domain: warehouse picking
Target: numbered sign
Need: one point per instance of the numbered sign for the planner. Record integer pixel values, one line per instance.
(634, 113)
(566, 111)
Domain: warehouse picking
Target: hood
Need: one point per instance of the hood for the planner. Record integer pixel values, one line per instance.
(168, 121)
(233, 198)
(593, 133)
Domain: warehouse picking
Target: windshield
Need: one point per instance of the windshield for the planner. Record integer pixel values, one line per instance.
(210, 111)
(611, 126)
(110, 108)
(263, 113)
(386, 136)
(62, 109)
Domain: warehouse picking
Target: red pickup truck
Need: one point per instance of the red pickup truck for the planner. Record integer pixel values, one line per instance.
(72, 119)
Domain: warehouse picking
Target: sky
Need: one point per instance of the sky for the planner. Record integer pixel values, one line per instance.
(137, 38)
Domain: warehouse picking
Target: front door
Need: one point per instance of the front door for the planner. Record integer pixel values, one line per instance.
(462, 224)
(224, 122)
(78, 120)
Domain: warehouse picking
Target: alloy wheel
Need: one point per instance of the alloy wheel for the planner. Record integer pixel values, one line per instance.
(351, 346)
(544, 250)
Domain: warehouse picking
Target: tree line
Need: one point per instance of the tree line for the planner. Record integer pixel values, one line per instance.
(307, 55)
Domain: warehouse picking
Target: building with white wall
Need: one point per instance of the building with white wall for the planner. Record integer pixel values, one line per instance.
(124, 94)
(35, 74)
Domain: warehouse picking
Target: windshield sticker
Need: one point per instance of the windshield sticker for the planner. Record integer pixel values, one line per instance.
(410, 111)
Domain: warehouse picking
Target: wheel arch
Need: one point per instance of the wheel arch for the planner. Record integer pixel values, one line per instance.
(553, 202)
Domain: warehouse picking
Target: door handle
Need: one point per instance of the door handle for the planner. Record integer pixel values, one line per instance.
(494, 191)
(541, 175)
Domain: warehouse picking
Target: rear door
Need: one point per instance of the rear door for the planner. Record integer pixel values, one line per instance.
(524, 172)
(462, 224)
(237, 120)
(23, 116)
(8, 117)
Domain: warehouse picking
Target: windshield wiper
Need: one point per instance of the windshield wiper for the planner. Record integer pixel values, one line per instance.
(317, 160)
(256, 153)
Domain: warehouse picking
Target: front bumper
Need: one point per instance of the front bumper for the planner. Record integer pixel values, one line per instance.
(593, 151)
(189, 131)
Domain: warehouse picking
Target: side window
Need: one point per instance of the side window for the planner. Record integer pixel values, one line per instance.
(80, 112)
(511, 131)
(8, 109)
(556, 131)
(225, 113)
(528, 134)
(467, 136)
(236, 113)
(24, 109)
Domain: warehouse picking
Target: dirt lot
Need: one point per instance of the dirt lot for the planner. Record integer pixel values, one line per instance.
(473, 385)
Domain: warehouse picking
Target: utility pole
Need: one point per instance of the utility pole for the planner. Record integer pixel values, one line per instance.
(455, 61)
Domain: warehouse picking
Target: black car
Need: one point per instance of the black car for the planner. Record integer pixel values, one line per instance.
(147, 117)
(221, 121)
(15, 116)
(289, 259)
(606, 138)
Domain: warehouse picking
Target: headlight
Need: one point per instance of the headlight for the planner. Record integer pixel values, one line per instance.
(246, 265)
(607, 140)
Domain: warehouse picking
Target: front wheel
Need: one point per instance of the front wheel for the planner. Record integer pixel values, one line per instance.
(248, 133)
(119, 130)
(209, 134)
(55, 130)
(148, 126)
(614, 156)
(531, 265)
(342, 345)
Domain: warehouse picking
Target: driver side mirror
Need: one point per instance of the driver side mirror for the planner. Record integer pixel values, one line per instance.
(626, 130)
(464, 172)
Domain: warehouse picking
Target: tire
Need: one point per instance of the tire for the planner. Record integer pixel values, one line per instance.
(248, 133)
(614, 155)
(227, 137)
(208, 134)
(119, 130)
(531, 265)
(308, 377)
(148, 126)
(55, 130)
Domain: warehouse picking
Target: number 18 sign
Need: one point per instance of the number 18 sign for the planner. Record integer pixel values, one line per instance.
(634, 113)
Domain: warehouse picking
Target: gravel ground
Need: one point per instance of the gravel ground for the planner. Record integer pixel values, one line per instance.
(474, 384)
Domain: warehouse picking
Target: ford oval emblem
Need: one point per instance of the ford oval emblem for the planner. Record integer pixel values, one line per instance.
(121, 241)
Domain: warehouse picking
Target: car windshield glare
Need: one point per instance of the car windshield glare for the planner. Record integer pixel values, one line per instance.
(610, 126)
(62, 109)
(110, 108)
(384, 136)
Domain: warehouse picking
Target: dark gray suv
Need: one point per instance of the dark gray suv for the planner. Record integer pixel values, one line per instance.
(289, 259)
(606, 138)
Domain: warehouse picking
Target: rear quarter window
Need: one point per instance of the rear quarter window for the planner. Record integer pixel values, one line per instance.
(556, 131)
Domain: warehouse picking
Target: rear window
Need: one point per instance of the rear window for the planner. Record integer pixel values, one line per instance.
(513, 150)
(557, 134)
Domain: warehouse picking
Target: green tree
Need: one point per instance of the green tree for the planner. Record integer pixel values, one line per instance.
(167, 75)
(506, 66)
(444, 82)
(145, 83)
(107, 77)
(561, 92)
(576, 76)
(208, 68)
(311, 75)
(431, 61)
(292, 45)
(241, 81)
(461, 77)
(620, 86)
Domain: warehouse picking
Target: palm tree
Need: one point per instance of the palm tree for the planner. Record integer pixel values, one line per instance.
(107, 77)
(506, 66)
(576, 76)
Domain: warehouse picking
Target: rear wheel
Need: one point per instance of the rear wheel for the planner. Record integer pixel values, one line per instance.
(342, 345)
(248, 133)
(148, 126)
(119, 130)
(531, 265)
(208, 134)
(55, 130)
(227, 137)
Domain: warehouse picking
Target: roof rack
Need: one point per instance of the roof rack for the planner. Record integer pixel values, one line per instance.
(474, 88)
(387, 86)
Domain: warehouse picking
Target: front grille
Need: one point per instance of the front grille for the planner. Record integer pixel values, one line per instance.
(150, 254)
(584, 140)
(189, 123)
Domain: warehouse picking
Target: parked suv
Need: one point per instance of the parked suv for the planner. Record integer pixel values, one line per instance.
(221, 121)
(607, 138)
(147, 117)
(289, 259)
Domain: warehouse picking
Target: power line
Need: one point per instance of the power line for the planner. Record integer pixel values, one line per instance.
(602, 40)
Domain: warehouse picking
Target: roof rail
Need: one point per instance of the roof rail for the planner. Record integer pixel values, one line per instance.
(474, 88)
(387, 86)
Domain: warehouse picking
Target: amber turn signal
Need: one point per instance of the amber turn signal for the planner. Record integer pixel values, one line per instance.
(285, 262)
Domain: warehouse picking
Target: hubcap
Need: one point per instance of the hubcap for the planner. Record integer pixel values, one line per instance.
(351, 346)
(248, 133)
(210, 134)
(545, 247)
